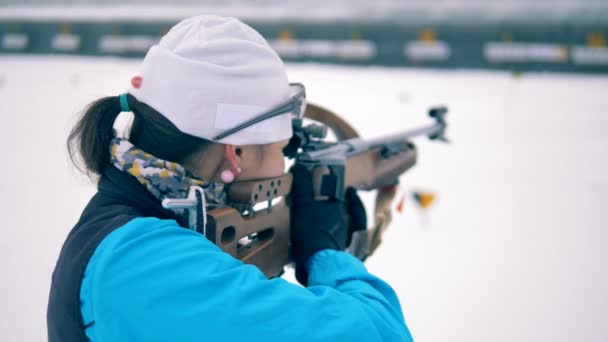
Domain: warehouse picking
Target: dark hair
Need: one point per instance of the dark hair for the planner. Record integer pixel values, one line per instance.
(150, 131)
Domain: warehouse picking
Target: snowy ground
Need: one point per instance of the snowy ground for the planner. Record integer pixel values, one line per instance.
(513, 250)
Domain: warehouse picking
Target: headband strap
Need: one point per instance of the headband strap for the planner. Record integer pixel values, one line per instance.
(124, 104)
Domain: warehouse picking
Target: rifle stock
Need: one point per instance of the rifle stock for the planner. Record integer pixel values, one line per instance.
(255, 237)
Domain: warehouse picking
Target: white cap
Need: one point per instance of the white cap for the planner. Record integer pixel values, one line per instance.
(211, 73)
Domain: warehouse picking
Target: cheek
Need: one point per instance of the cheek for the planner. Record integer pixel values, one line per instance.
(273, 163)
(266, 165)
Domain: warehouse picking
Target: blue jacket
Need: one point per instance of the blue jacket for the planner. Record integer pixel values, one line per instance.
(149, 279)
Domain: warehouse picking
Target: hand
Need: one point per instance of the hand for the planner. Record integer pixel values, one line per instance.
(356, 213)
(318, 225)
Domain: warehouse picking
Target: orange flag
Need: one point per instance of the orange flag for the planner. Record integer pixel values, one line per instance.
(424, 199)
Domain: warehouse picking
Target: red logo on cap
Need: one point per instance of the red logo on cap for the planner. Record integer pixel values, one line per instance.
(136, 82)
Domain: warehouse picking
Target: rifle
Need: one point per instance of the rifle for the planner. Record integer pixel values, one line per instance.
(255, 226)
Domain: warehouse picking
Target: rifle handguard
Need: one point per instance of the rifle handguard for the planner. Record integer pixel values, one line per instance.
(365, 242)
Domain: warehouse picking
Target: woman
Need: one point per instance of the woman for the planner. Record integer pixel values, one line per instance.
(129, 271)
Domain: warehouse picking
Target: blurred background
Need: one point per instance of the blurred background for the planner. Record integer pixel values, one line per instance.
(500, 235)
(561, 35)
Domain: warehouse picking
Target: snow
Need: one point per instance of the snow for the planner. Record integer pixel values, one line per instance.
(514, 249)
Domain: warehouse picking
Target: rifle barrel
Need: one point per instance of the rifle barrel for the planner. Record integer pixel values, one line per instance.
(359, 144)
(352, 146)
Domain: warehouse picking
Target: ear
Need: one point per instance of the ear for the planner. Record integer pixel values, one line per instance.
(233, 155)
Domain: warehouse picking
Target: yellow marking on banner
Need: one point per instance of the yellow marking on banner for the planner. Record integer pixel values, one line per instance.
(507, 37)
(64, 28)
(427, 35)
(286, 35)
(563, 53)
(356, 35)
(596, 39)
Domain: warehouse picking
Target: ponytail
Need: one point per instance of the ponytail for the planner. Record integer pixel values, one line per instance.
(151, 131)
(91, 136)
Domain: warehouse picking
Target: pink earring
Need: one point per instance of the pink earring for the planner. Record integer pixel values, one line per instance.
(228, 176)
